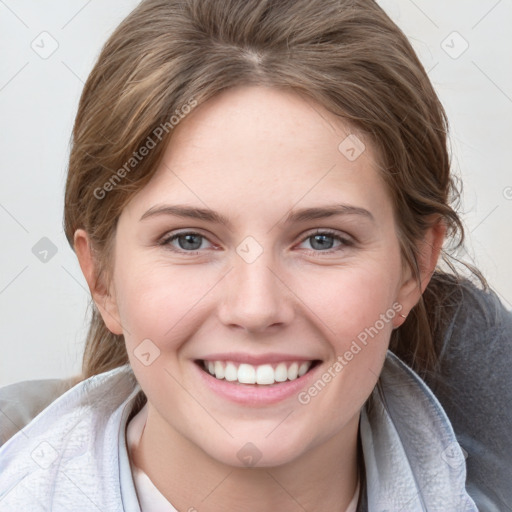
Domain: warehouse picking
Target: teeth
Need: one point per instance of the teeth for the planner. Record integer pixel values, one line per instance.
(264, 374)
(231, 373)
(246, 374)
(303, 368)
(281, 373)
(293, 371)
(219, 370)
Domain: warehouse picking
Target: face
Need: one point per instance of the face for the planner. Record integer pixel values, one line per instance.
(286, 287)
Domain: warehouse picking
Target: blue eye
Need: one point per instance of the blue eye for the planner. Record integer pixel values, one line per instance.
(323, 242)
(187, 242)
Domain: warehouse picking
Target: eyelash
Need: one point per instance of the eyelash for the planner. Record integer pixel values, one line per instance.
(345, 242)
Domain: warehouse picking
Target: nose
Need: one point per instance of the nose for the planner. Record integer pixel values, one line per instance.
(256, 296)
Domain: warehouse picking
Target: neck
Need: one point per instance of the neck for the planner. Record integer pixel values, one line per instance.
(323, 479)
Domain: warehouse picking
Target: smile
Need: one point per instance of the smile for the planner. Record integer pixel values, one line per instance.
(264, 374)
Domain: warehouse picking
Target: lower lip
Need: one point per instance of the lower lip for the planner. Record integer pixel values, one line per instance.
(254, 394)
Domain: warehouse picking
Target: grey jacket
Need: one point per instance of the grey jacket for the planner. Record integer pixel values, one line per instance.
(73, 456)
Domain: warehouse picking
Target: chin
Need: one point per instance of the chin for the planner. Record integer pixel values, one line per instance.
(256, 453)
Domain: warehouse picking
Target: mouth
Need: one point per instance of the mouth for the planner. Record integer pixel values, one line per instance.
(257, 375)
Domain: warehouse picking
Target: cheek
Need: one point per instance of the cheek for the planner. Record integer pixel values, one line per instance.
(157, 302)
(356, 307)
(348, 300)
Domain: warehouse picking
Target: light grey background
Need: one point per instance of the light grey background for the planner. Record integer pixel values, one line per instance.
(43, 305)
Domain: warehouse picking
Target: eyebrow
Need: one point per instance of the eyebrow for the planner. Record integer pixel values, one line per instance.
(300, 215)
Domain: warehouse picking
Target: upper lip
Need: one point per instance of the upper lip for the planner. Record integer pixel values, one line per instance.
(256, 360)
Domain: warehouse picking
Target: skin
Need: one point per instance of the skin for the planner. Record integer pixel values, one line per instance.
(254, 154)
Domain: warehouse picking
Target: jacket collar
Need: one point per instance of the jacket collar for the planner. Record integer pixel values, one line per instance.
(412, 459)
(65, 457)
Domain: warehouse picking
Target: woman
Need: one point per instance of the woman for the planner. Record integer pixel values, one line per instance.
(258, 195)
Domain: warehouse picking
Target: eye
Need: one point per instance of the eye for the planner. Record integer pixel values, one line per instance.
(324, 241)
(189, 242)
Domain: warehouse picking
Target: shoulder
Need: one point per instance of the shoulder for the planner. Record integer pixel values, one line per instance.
(473, 382)
(23, 401)
(406, 436)
(475, 346)
(69, 454)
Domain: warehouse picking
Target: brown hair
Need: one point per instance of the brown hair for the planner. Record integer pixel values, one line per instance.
(345, 54)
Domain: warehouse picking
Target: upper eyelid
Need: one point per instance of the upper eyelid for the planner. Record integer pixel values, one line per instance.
(195, 231)
(168, 237)
(342, 237)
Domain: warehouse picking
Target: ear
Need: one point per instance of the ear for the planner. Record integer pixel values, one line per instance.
(103, 298)
(429, 249)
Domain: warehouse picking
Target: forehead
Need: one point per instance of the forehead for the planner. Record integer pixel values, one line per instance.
(263, 123)
(254, 144)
